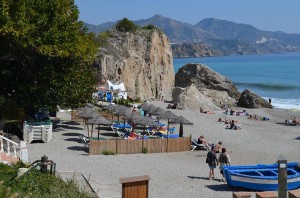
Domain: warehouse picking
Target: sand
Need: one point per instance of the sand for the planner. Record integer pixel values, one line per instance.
(182, 174)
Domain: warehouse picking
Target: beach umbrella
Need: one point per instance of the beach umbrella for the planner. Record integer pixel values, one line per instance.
(146, 121)
(158, 111)
(145, 105)
(168, 115)
(150, 108)
(181, 120)
(99, 120)
(130, 116)
(123, 111)
(90, 115)
(111, 108)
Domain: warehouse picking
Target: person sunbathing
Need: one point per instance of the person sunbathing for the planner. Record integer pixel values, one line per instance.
(206, 111)
(201, 140)
(295, 121)
(234, 124)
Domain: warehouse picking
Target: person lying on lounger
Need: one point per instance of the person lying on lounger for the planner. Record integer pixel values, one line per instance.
(206, 111)
(201, 140)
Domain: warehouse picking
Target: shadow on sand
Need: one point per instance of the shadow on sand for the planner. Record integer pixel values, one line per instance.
(71, 134)
(78, 148)
(72, 139)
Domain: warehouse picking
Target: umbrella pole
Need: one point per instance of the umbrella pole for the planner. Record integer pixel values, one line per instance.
(98, 131)
(168, 135)
(92, 131)
(87, 128)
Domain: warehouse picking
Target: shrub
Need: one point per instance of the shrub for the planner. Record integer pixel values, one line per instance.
(126, 25)
(37, 184)
(145, 150)
(108, 152)
(149, 27)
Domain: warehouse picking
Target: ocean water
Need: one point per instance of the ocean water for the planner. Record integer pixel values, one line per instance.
(275, 76)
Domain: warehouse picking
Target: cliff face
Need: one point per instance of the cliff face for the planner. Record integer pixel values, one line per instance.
(142, 60)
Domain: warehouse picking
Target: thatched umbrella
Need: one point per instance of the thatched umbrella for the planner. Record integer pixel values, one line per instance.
(86, 113)
(90, 115)
(169, 115)
(150, 108)
(111, 108)
(131, 117)
(145, 105)
(181, 120)
(100, 120)
(122, 111)
(158, 111)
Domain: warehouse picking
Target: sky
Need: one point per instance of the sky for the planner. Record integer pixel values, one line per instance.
(269, 15)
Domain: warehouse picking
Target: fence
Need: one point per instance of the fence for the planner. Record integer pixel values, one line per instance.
(157, 145)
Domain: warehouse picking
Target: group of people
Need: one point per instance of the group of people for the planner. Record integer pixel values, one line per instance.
(231, 124)
(212, 159)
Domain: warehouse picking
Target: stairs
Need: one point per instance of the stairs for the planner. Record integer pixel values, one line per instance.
(8, 151)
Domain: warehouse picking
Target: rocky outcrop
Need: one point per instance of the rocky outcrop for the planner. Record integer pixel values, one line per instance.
(249, 99)
(191, 98)
(184, 50)
(142, 60)
(210, 83)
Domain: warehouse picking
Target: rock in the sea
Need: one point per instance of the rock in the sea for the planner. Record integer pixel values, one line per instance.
(191, 99)
(208, 82)
(142, 60)
(249, 99)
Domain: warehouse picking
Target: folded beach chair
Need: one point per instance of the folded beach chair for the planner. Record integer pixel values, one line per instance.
(196, 146)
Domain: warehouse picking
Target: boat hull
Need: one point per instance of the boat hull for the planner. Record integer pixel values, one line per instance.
(261, 177)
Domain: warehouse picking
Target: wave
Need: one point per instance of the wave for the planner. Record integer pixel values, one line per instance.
(290, 103)
(266, 86)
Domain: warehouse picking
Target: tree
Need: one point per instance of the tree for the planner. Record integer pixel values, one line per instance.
(126, 25)
(45, 54)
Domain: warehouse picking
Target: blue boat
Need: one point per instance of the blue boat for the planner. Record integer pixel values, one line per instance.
(261, 177)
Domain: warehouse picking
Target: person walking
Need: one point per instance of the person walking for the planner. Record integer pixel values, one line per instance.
(211, 160)
(223, 160)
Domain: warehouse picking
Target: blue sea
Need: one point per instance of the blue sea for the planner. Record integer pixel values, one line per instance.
(275, 76)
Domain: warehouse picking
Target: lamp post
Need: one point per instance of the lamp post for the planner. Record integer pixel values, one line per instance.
(282, 177)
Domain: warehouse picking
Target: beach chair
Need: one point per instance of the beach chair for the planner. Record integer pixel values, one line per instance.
(196, 146)
(85, 140)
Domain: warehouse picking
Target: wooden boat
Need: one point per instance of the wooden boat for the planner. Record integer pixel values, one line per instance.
(261, 177)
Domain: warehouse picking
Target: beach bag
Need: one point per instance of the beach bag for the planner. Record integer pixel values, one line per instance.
(208, 158)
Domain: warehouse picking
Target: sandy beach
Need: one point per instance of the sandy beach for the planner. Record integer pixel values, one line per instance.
(181, 174)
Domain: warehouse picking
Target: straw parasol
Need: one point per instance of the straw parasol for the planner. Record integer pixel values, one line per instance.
(158, 111)
(181, 120)
(99, 120)
(111, 108)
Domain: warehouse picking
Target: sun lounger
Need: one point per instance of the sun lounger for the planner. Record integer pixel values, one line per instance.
(196, 146)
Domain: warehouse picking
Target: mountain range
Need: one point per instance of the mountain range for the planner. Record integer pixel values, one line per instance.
(224, 37)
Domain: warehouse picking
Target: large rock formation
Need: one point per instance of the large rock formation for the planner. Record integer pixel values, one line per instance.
(190, 98)
(249, 99)
(142, 60)
(211, 84)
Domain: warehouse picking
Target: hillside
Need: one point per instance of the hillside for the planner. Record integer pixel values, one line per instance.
(222, 36)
